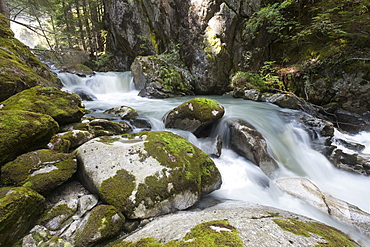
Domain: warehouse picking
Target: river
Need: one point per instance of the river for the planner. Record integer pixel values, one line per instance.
(287, 142)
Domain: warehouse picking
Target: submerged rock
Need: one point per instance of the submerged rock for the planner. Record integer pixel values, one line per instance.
(249, 143)
(20, 208)
(41, 170)
(22, 131)
(147, 174)
(62, 106)
(194, 115)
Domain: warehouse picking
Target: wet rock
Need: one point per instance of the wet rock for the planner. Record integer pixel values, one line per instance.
(194, 115)
(84, 94)
(102, 127)
(154, 173)
(212, 146)
(124, 112)
(249, 143)
(20, 208)
(306, 190)
(41, 170)
(141, 123)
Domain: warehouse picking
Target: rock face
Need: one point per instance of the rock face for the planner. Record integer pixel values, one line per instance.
(41, 170)
(158, 79)
(239, 223)
(194, 115)
(62, 106)
(22, 131)
(306, 190)
(20, 208)
(249, 143)
(19, 68)
(203, 34)
(147, 174)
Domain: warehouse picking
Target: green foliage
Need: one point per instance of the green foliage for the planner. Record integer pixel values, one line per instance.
(264, 80)
(272, 18)
(172, 56)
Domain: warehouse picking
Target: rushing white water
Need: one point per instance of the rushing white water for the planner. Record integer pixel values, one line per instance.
(242, 180)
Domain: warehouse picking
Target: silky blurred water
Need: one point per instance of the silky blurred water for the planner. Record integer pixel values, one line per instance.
(287, 142)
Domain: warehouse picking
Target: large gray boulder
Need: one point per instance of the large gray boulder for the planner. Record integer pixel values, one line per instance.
(306, 190)
(194, 115)
(249, 143)
(41, 170)
(237, 224)
(147, 174)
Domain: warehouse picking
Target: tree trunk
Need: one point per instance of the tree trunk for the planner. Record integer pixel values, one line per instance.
(80, 26)
(4, 9)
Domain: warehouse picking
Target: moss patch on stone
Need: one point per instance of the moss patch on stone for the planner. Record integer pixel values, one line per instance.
(22, 131)
(213, 233)
(59, 210)
(19, 68)
(20, 207)
(104, 222)
(333, 236)
(117, 189)
(62, 106)
(42, 170)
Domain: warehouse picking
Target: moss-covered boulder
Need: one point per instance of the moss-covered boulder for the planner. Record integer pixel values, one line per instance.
(194, 115)
(158, 79)
(64, 107)
(20, 207)
(147, 174)
(23, 131)
(102, 127)
(235, 224)
(41, 170)
(19, 68)
(102, 223)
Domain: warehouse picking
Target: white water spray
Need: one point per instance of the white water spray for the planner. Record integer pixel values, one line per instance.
(287, 142)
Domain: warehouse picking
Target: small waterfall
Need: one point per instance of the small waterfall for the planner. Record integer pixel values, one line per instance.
(99, 83)
(287, 142)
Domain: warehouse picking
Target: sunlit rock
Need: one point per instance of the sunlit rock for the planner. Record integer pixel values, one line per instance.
(124, 112)
(194, 115)
(306, 190)
(41, 170)
(147, 174)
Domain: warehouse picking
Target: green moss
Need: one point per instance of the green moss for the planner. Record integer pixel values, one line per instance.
(22, 130)
(62, 106)
(102, 222)
(20, 171)
(189, 167)
(333, 236)
(61, 209)
(20, 207)
(117, 189)
(214, 233)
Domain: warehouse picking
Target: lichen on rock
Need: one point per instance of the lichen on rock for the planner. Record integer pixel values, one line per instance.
(41, 170)
(194, 115)
(64, 107)
(147, 174)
